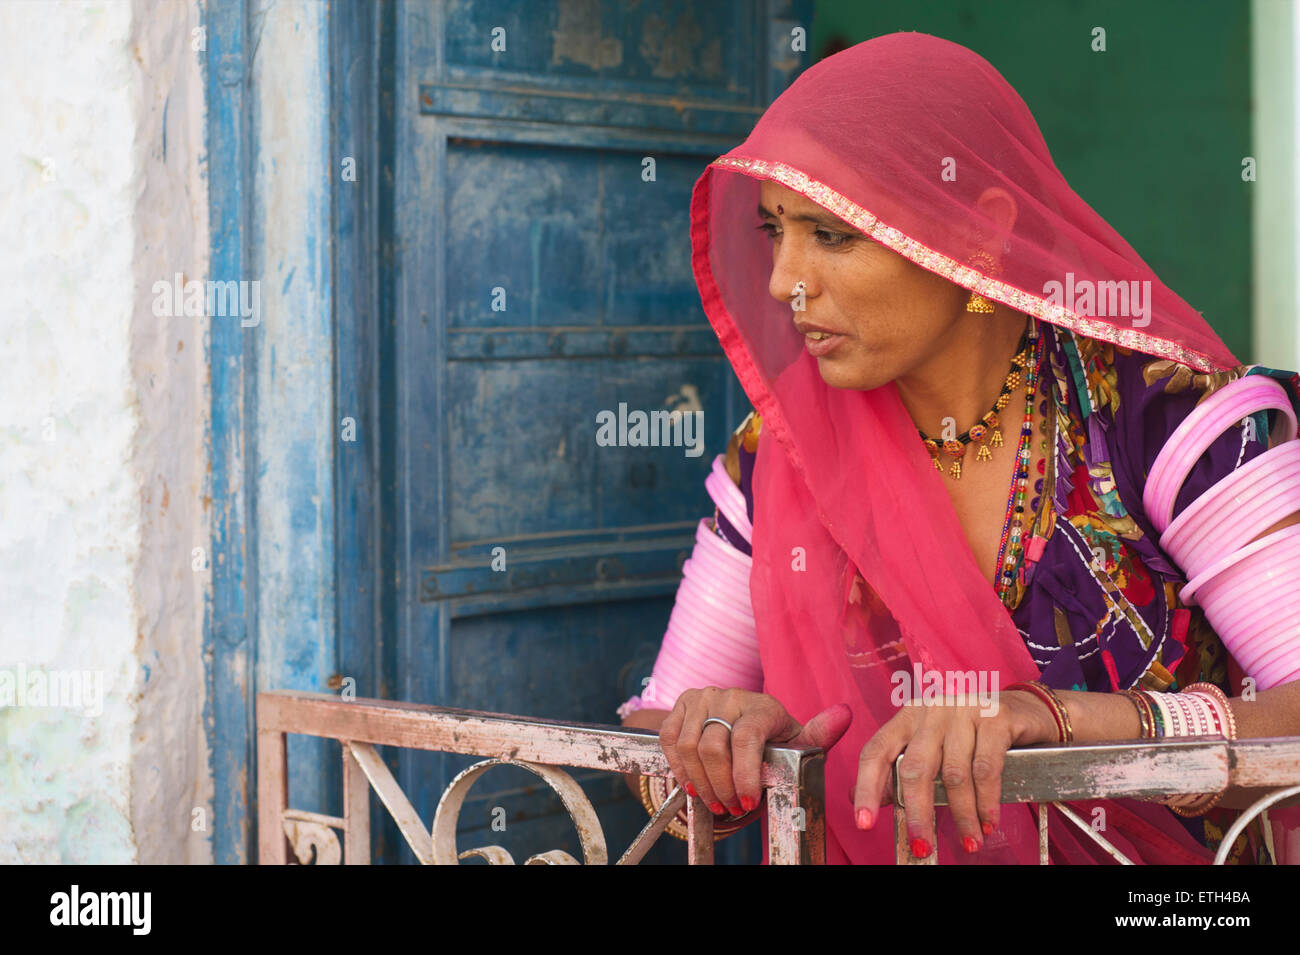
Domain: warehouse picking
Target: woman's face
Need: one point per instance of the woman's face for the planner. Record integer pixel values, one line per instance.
(887, 316)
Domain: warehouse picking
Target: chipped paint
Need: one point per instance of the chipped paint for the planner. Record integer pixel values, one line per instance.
(578, 36)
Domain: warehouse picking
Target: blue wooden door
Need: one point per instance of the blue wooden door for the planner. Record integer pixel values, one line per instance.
(538, 159)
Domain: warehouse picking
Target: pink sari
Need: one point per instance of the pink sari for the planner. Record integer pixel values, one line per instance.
(842, 484)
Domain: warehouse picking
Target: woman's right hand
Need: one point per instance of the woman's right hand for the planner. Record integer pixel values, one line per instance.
(722, 769)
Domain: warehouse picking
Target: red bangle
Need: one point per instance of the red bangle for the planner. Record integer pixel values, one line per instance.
(1065, 731)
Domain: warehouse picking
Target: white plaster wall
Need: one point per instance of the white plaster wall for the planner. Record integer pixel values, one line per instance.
(102, 410)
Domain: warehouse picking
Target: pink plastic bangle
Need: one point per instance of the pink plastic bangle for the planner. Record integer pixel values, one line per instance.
(1234, 531)
(692, 659)
(1240, 507)
(1282, 650)
(1277, 634)
(1188, 593)
(1193, 437)
(1236, 618)
(717, 545)
(1252, 657)
(710, 607)
(729, 498)
(1279, 674)
(1244, 585)
(733, 602)
(1241, 643)
(1270, 620)
(715, 600)
(1255, 625)
(720, 567)
(710, 639)
(729, 655)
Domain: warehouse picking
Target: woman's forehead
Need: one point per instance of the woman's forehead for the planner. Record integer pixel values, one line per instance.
(772, 192)
(776, 199)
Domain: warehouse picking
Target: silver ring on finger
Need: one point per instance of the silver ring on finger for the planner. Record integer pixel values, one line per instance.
(715, 719)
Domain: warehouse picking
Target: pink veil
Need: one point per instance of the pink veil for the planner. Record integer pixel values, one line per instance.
(843, 487)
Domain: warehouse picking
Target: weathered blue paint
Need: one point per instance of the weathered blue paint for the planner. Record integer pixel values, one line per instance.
(362, 36)
(298, 434)
(229, 619)
(271, 620)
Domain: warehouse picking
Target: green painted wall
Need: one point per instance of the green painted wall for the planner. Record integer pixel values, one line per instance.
(1151, 133)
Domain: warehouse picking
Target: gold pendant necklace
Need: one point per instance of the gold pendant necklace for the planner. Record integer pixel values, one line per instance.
(986, 432)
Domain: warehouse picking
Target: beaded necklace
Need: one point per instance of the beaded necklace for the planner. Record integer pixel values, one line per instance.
(1009, 547)
(986, 430)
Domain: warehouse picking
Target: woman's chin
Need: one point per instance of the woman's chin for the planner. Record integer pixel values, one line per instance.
(849, 376)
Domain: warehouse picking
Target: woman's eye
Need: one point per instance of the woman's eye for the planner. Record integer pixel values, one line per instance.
(824, 237)
(831, 239)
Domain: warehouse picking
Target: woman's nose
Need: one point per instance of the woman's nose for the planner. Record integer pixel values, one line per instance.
(788, 279)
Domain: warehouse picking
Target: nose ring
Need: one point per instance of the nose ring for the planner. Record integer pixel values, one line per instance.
(799, 287)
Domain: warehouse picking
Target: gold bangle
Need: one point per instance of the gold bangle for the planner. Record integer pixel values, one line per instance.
(678, 827)
(1146, 721)
(1199, 809)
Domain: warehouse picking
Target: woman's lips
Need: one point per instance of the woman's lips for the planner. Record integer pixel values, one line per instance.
(820, 344)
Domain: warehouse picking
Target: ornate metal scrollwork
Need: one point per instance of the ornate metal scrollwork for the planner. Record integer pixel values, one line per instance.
(313, 843)
(590, 834)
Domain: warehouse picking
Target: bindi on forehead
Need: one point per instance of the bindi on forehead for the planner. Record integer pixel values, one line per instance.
(815, 214)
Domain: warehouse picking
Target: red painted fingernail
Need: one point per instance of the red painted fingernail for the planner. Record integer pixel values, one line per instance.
(735, 812)
(718, 808)
(748, 803)
(920, 848)
(970, 845)
(988, 828)
(864, 819)
(691, 789)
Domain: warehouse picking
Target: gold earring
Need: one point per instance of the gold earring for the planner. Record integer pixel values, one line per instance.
(978, 303)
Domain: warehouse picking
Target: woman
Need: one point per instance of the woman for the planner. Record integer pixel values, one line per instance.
(959, 410)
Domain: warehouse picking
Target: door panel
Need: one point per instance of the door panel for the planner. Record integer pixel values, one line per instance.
(542, 278)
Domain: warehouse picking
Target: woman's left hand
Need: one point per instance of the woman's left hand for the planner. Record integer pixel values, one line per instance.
(965, 746)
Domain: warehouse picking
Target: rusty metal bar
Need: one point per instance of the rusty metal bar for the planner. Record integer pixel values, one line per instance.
(699, 833)
(1265, 761)
(654, 828)
(796, 808)
(1092, 833)
(272, 796)
(449, 730)
(356, 811)
(1053, 773)
(316, 818)
(390, 794)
